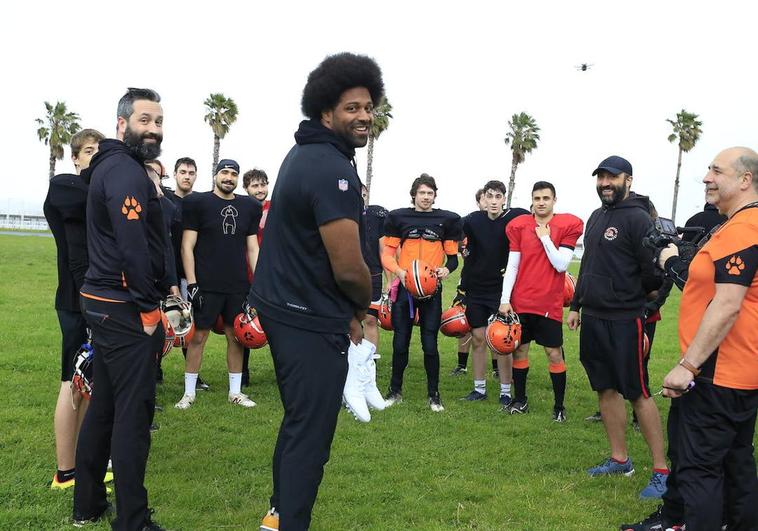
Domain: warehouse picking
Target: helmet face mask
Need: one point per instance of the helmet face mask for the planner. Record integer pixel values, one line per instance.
(179, 313)
(504, 333)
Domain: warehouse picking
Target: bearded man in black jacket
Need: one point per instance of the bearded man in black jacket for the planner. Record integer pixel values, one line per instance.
(616, 276)
(121, 294)
(312, 287)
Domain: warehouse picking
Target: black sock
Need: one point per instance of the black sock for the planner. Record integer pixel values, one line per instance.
(462, 359)
(559, 387)
(519, 384)
(65, 475)
(494, 365)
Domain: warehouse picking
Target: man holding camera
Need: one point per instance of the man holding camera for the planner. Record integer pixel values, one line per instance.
(616, 275)
(717, 375)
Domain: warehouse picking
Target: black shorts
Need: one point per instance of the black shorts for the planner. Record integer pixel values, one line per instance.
(477, 313)
(376, 294)
(540, 329)
(227, 305)
(612, 354)
(74, 332)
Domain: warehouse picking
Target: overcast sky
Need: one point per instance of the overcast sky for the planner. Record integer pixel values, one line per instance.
(454, 73)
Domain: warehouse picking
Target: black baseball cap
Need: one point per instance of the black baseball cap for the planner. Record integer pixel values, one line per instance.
(615, 165)
(227, 163)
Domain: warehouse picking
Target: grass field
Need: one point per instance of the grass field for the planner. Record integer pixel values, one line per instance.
(470, 467)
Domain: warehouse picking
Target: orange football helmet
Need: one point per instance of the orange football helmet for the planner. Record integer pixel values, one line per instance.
(421, 280)
(248, 330)
(569, 287)
(454, 322)
(503, 333)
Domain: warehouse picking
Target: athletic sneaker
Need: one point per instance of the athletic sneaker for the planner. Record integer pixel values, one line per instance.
(435, 403)
(505, 401)
(595, 417)
(81, 521)
(496, 374)
(475, 396)
(61, 485)
(517, 408)
(149, 525)
(656, 488)
(270, 522)
(392, 398)
(185, 402)
(241, 399)
(611, 467)
(458, 371)
(559, 414)
(654, 522)
(200, 385)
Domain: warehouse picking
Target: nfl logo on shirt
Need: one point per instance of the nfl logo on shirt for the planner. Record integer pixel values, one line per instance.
(342, 185)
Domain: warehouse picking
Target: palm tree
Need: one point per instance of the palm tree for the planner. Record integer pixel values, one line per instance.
(56, 129)
(222, 113)
(687, 131)
(522, 137)
(382, 115)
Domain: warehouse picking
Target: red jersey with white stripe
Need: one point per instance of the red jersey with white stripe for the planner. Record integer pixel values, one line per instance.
(539, 287)
(266, 205)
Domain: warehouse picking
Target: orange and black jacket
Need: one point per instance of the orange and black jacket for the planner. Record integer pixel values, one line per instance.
(126, 237)
(429, 236)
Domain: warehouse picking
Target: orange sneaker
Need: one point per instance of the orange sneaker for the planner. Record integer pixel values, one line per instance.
(270, 522)
(61, 485)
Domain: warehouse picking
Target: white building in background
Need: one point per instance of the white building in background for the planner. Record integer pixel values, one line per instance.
(20, 213)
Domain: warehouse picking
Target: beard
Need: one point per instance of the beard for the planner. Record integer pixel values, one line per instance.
(618, 194)
(139, 148)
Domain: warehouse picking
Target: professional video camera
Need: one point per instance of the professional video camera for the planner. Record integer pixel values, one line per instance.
(665, 232)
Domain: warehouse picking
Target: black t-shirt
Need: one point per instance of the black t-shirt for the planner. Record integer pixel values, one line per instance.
(374, 217)
(176, 231)
(487, 248)
(294, 282)
(222, 227)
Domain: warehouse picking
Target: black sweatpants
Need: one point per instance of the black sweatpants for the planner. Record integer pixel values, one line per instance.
(430, 316)
(310, 368)
(117, 423)
(716, 428)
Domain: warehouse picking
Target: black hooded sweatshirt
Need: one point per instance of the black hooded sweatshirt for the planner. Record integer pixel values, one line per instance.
(126, 237)
(64, 209)
(294, 282)
(617, 272)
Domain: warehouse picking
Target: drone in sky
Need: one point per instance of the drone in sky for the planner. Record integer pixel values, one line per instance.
(583, 67)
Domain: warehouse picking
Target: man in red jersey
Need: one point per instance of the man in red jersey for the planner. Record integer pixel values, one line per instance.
(542, 246)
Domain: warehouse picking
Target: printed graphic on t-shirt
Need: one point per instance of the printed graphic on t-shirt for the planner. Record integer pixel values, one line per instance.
(229, 215)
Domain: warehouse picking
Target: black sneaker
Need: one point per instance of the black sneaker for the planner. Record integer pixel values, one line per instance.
(154, 427)
(106, 513)
(200, 385)
(392, 398)
(559, 414)
(496, 374)
(458, 371)
(595, 417)
(435, 403)
(149, 525)
(654, 522)
(518, 408)
(505, 400)
(245, 378)
(475, 396)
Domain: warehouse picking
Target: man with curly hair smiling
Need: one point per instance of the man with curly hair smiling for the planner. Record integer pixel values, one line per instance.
(312, 287)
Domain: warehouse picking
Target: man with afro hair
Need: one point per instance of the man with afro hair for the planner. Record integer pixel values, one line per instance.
(312, 287)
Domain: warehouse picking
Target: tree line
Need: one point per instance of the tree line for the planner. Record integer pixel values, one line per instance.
(522, 136)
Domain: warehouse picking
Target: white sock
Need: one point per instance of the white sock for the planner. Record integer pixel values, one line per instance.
(190, 381)
(235, 383)
(480, 386)
(505, 389)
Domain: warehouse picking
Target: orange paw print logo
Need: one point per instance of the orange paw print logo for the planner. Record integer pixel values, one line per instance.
(131, 208)
(735, 265)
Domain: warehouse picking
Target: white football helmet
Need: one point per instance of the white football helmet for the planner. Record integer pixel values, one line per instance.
(179, 314)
